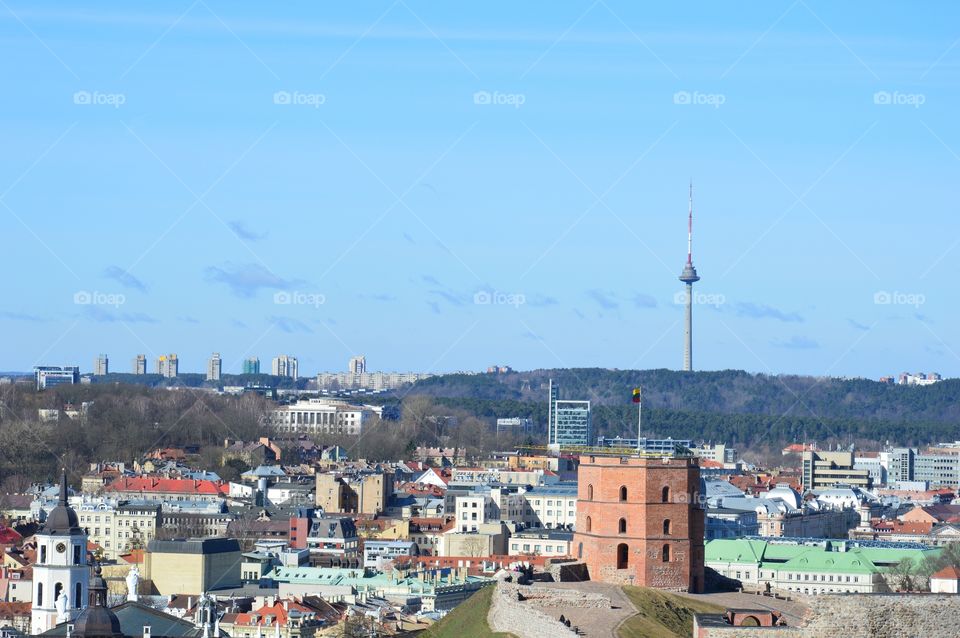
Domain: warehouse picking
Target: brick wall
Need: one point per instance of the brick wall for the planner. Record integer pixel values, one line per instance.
(656, 554)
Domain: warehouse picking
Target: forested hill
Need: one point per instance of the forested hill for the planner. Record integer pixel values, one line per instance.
(730, 404)
(726, 392)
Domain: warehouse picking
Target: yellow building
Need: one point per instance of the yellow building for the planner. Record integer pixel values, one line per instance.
(192, 566)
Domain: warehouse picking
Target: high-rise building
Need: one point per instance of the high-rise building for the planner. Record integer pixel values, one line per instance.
(167, 365)
(284, 366)
(569, 422)
(140, 364)
(251, 365)
(572, 425)
(101, 365)
(214, 366)
(639, 521)
(689, 277)
(49, 376)
(357, 365)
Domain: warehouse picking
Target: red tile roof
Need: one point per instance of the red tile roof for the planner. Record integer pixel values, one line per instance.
(167, 486)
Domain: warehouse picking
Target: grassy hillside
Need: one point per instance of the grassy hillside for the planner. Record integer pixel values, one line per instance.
(468, 620)
(661, 614)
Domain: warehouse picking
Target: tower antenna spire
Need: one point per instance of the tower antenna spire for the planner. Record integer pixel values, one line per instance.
(690, 227)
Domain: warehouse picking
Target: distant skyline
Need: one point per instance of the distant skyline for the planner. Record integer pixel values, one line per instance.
(446, 187)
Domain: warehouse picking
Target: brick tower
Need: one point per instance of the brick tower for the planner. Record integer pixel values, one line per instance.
(639, 521)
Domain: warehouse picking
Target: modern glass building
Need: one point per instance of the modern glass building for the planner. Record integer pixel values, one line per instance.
(251, 366)
(49, 376)
(571, 424)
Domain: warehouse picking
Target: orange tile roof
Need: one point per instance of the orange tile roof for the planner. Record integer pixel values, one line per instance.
(950, 573)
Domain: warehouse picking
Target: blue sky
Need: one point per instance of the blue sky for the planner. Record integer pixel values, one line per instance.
(328, 180)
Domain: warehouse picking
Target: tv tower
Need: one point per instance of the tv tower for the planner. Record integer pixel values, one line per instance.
(689, 276)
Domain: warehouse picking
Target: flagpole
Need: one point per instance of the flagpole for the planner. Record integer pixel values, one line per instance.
(639, 416)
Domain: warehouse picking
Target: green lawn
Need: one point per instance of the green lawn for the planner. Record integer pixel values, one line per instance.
(662, 614)
(468, 620)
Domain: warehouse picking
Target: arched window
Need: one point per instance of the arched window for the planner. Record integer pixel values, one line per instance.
(56, 592)
(77, 596)
(589, 525)
(622, 526)
(43, 554)
(580, 550)
(665, 494)
(623, 493)
(623, 556)
(589, 492)
(666, 526)
(666, 553)
(39, 594)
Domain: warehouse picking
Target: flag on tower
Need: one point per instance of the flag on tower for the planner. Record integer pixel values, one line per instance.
(636, 395)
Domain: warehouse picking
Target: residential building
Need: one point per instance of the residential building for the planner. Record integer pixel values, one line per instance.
(284, 366)
(140, 364)
(322, 416)
(192, 566)
(375, 552)
(551, 506)
(101, 365)
(514, 425)
(159, 490)
(353, 492)
(541, 542)
(168, 365)
(251, 365)
(332, 536)
(368, 380)
(50, 376)
(639, 520)
(119, 527)
(357, 365)
(822, 469)
(214, 367)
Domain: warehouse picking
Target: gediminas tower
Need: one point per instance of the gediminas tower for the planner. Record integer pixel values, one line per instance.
(639, 521)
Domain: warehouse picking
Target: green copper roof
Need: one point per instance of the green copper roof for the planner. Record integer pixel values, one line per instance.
(811, 558)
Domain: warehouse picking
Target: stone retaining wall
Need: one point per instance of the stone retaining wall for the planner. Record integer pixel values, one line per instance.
(864, 616)
(525, 619)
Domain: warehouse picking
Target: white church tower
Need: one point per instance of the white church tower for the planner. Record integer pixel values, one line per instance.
(60, 575)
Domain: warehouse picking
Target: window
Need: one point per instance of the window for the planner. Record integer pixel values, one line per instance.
(76, 554)
(77, 595)
(589, 524)
(43, 554)
(56, 591)
(39, 594)
(623, 493)
(623, 556)
(665, 494)
(666, 553)
(589, 492)
(622, 526)
(666, 527)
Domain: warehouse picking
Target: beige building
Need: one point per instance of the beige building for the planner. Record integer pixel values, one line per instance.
(822, 470)
(354, 493)
(192, 566)
(118, 528)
